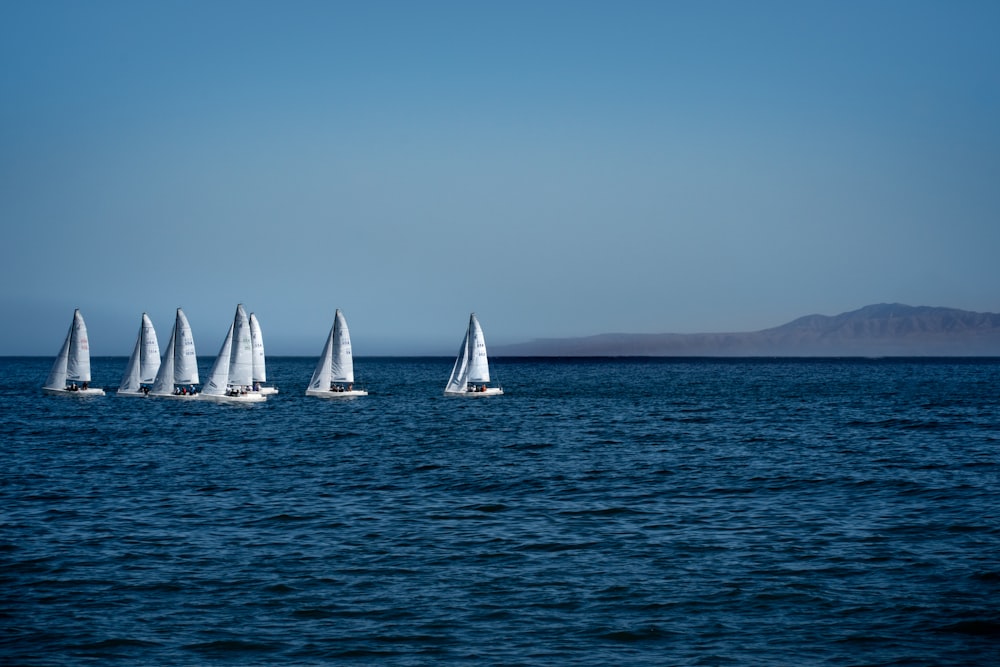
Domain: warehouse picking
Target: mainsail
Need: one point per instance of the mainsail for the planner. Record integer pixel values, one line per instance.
(341, 361)
(78, 366)
(186, 361)
(150, 351)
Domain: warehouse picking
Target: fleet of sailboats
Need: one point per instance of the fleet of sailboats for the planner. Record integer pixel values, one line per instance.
(334, 374)
(144, 362)
(471, 374)
(70, 373)
(239, 372)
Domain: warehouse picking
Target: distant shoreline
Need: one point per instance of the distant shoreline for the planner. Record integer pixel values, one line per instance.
(882, 330)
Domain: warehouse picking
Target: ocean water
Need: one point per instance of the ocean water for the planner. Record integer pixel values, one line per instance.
(642, 512)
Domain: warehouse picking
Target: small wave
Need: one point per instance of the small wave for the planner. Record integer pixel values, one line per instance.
(279, 519)
(530, 446)
(158, 587)
(344, 435)
(604, 511)
(488, 508)
(412, 639)
(313, 613)
(362, 653)
(898, 423)
(651, 633)
(233, 646)
(977, 627)
(280, 589)
(214, 488)
(555, 546)
(116, 642)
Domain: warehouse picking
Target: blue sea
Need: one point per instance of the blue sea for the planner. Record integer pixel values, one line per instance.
(602, 512)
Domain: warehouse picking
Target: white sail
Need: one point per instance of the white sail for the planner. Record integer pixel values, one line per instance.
(341, 362)
(60, 368)
(472, 364)
(58, 374)
(479, 367)
(163, 385)
(144, 362)
(130, 382)
(186, 359)
(322, 377)
(78, 363)
(150, 351)
(241, 357)
(257, 338)
(459, 379)
(218, 378)
(179, 364)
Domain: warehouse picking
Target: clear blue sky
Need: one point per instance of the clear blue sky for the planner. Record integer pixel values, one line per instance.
(561, 168)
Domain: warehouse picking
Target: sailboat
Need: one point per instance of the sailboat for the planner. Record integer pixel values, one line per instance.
(471, 373)
(73, 364)
(143, 363)
(259, 366)
(334, 374)
(232, 373)
(178, 373)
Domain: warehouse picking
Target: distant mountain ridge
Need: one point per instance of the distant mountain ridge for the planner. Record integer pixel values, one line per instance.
(887, 329)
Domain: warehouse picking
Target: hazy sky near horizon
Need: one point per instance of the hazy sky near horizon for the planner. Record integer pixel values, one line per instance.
(562, 168)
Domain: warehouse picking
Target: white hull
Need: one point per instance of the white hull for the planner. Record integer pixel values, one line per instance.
(250, 397)
(489, 391)
(268, 391)
(184, 397)
(319, 393)
(73, 392)
(131, 394)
